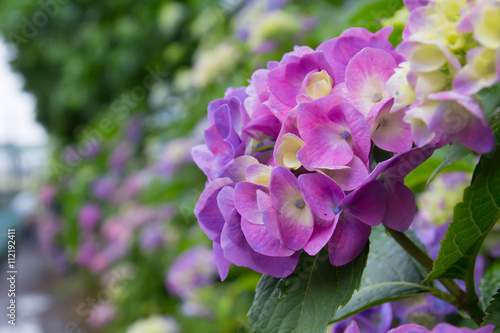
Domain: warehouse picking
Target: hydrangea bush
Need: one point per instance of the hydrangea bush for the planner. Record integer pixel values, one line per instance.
(306, 169)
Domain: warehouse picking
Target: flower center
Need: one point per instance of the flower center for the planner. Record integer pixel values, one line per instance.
(346, 135)
(377, 97)
(299, 203)
(337, 210)
(318, 85)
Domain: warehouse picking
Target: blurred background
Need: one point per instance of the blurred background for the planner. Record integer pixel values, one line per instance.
(100, 104)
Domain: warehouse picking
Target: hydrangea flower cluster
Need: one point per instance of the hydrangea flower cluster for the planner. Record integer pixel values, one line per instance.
(289, 159)
(413, 328)
(452, 51)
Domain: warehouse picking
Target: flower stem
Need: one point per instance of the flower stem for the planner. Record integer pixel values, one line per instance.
(458, 297)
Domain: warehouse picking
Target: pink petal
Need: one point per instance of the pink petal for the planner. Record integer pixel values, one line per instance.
(351, 176)
(297, 228)
(367, 203)
(234, 244)
(238, 252)
(390, 132)
(207, 211)
(261, 240)
(203, 158)
(270, 215)
(225, 201)
(322, 233)
(413, 328)
(283, 187)
(235, 169)
(325, 148)
(245, 201)
(366, 76)
(312, 114)
(400, 207)
(352, 328)
(322, 194)
(221, 262)
(348, 240)
(361, 143)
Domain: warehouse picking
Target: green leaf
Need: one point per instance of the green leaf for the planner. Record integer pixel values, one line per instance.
(390, 274)
(305, 300)
(472, 221)
(493, 313)
(490, 97)
(489, 283)
(455, 154)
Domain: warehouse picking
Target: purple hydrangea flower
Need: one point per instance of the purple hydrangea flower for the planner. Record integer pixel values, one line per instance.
(152, 237)
(104, 188)
(440, 328)
(225, 139)
(102, 314)
(119, 157)
(193, 269)
(134, 129)
(374, 320)
(89, 216)
(434, 41)
(86, 252)
(287, 160)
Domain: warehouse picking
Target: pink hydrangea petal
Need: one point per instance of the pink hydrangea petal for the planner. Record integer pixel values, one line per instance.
(390, 132)
(237, 251)
(413, 328)
(348, 240)
(315, 113)
(350, 176)
(366, 76)
(352, 328)
(283, 187)
(207, 211)
(361, 143)
(296, 222)
(234, 244)
(322, 233)
(222, 263)
(367, 203)
(259, 81)
(400, 207)
(261, 240)
(322, 194)
(215, 142)
(268, 125)
(245, 201)
(462, 119)
(270, 215)
(325, 148)
(203, 158)
(278, 108)
(235, 169)
(225, 201)
(340, 50)
(296, 228)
